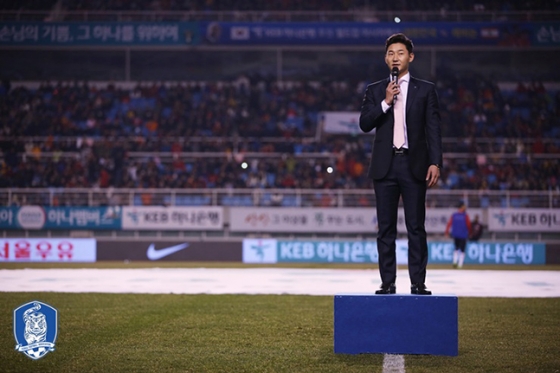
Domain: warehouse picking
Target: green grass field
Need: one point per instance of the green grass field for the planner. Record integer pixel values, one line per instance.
(264, 333)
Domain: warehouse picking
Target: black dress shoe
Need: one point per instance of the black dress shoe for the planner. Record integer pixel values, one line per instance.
(419, 289)
(386, 289)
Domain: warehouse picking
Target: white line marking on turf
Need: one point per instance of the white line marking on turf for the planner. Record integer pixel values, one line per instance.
(393, 363)
(465, 283)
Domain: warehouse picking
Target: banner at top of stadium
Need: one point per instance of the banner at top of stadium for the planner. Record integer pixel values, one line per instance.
(277, 34)
(422, 33)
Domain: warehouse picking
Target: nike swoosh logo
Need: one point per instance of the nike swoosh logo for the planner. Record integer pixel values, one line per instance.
(154, 254)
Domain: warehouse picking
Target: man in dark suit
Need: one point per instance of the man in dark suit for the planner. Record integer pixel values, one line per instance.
(405, 160)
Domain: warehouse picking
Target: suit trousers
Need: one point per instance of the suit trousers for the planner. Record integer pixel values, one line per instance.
(398, 182)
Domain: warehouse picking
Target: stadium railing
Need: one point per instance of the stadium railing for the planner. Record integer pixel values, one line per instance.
(453, 147)
(477, 200)
(335, 198)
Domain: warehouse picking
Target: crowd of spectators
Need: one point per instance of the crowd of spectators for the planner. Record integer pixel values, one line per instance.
(27, 5)
(314, 5)
(157, 110)
(256, 134)
(472, 108)
(253, 133)
(231, 171)
(281, 5)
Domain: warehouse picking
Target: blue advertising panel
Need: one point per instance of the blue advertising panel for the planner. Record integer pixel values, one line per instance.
(546, 34)
(7, 217)
(98, 33)
(276, 33)
(327, 251)
(269, 250)
(528, 253)
(38, 217)
(83, 217)
(359, 33)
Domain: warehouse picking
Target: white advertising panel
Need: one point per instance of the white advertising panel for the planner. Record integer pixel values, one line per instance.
(173, 218)
(523, 220)
(257, 219)
(257, 250)
(437, 218)
(331, 220)
(48, 250)
(343, 122)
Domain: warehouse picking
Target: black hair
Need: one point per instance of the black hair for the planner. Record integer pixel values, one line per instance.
(399, 38)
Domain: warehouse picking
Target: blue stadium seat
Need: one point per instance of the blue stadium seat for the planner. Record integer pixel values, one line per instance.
(137, 200)
(290, 201)
(265, 199)
(192, 200)
(237, 201)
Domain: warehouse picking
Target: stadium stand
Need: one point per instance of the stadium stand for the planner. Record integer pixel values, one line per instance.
(27, 5)
(242, 137)
(176, 136)
(315, 5)
(279, 10)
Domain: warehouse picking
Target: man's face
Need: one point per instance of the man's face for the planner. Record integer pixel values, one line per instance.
(397, 56)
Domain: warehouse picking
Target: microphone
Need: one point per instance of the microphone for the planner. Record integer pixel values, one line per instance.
(395, 78)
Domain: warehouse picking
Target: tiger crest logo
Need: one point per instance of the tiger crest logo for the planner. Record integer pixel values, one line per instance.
(35, 329)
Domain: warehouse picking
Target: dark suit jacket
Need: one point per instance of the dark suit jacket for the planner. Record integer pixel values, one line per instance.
(423, 127)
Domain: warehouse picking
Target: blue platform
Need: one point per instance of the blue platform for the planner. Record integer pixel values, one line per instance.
(396, 324)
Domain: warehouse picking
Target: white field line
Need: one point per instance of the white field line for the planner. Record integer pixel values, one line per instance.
(393, 363)
(471, 283)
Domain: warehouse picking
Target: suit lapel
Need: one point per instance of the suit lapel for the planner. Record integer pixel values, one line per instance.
(411, 95)
(382, 89)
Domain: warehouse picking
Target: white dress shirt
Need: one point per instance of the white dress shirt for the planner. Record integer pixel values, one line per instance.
(403, 83)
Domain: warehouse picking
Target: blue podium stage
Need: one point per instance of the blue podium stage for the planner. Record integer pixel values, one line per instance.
(396, 324)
